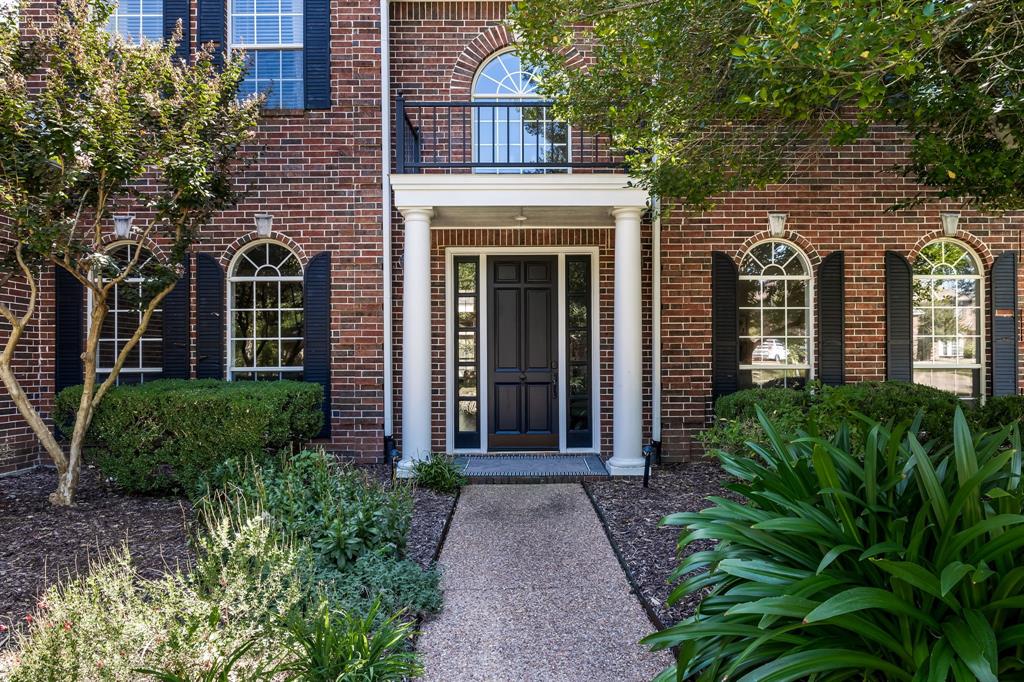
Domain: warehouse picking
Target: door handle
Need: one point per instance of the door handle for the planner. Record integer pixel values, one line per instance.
(522, 376)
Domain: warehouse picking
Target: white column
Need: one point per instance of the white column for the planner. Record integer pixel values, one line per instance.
(416, 339)
(627, 437)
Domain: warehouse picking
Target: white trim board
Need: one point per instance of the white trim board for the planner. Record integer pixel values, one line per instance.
(449, 301)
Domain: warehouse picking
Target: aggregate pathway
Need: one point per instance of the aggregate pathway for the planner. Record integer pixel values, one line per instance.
(533, 592)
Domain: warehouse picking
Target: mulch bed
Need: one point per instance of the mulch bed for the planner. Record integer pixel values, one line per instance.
(42, 543)
(632, 514)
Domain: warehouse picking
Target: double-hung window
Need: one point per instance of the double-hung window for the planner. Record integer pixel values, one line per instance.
(270, 32)
(138, 20)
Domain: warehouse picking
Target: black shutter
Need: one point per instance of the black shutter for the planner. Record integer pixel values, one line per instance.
(69, 332)
(316, 291)
(899, 316)
(210, 323)
(725, 356)
(174, 11)
(317, 53)
(1004, 324)
(831, 311)
(175, 328)
(212, 25)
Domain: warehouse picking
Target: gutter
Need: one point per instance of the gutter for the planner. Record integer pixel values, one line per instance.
(385, 182)
(656, 322)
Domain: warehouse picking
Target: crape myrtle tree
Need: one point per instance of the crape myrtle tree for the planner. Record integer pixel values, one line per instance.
(90, 126)
(707, 96)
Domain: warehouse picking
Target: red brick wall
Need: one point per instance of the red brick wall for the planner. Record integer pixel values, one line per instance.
(842, 199)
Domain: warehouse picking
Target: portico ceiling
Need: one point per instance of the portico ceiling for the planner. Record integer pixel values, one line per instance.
(544, 200)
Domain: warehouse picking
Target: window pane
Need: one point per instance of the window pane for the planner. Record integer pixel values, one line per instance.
(749, 293)
(467, 417)
(796, 322)
(750, 322)
(579, 383)
(467, 346)
(467, 277)
(774, 322)
(467, 312)
(579, 415)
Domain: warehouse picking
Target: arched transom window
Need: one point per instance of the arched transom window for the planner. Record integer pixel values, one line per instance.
(948, 290)
(510, 135)
(775, 316)
(126, 304)
(266, 314)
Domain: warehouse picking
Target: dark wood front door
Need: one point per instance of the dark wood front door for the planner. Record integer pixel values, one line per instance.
(524, 353)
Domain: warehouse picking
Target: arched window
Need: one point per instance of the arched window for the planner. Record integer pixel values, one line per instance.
(265, 329)
(775, 316)
(948, 291)
(514, 134)
(126, 303)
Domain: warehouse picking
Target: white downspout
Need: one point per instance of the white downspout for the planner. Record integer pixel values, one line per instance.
(385, 181)
(656, 320)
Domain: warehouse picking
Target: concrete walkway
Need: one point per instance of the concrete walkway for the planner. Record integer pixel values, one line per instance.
(533, 592)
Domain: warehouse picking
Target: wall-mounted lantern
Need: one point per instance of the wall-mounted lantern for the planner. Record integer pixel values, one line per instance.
(777, 224)
(950, 223)
(123, 225)
(264, 224)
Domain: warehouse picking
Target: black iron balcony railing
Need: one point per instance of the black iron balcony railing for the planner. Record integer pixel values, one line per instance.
(494, 136)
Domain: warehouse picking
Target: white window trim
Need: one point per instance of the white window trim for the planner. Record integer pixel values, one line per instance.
(230, 309)
(811, 294)
(982, 348)
(141, 369)
(482, 395)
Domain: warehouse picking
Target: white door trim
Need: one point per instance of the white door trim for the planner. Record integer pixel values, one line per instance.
(595, 347)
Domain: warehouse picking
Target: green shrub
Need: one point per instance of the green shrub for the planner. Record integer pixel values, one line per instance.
(395, 584)
(895, 562)
(332, 507)
(999, 411)
(439, 473)
(884, 401)
(337, 646)
(736, 416)
(171, 434)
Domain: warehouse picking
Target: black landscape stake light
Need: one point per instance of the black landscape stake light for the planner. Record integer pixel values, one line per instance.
(648, 452)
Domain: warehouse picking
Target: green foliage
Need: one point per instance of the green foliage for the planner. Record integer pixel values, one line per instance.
(998, 411)
(827, 408)
(337, 646)
(330, 506)
(395, 584)
(439, 473)
(892, 561)
(736, 416)
(175, 434)
(707, 97)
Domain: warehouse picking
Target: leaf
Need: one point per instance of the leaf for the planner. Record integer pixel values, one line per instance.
(969, 649)
(860, 598)
(805, 663)
(912, 574)
(952, 575)
(832, 555)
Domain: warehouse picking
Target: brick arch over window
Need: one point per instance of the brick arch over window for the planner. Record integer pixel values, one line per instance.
(157, 250)
(809, 251)
(979, 247)
(245, 239)
(479, 50)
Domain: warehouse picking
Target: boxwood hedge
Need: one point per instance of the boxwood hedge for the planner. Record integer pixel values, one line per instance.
(170, 434)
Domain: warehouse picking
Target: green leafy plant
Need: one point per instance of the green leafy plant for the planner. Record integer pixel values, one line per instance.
(898, 561)
(330, 506)
(395, 584)
(998, 411)
(176, 434)
(337, 646)
(439, 473)
(736, 416)
(220, 671)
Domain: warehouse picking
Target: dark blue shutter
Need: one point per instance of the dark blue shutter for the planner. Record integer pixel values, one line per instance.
(317, 53)
(316, 291)
(175, 327)
(1004, 324)
(175, 11)
(725, 355)
(210, 323)
(69, 332)
(899, 288)
(211, 24)
(831, 311)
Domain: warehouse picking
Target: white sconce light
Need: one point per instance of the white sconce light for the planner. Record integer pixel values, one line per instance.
(264, 224)
(950, 223)
(123, 225)
(777, 224)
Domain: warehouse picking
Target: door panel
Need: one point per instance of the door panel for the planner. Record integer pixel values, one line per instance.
(524, 370)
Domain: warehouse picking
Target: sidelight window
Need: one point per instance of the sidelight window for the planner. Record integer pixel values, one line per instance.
(467, 352)
(579, 401)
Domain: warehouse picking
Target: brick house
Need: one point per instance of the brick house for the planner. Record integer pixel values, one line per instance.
(464, 273)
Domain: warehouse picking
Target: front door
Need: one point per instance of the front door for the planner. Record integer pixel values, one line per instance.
(523, 378)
